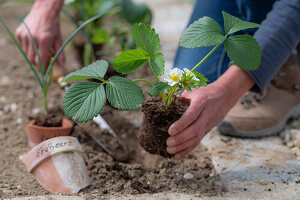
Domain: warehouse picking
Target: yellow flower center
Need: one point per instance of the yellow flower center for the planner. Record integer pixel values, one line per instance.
(189, 73)
(174, 77)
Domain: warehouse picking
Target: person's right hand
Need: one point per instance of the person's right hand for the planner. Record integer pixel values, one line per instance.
(43, 23)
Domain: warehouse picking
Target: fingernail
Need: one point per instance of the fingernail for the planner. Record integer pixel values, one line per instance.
(171, 142)
(172, 131)
(177, 156)
(171, 150)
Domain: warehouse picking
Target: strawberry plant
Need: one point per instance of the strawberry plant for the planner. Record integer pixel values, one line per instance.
(84, 100)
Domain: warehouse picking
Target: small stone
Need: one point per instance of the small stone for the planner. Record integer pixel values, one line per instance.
(19, 187)
(263, 182)
(6, 185)
(198, 195)
(188, 176)
(19, 120)
(36, 111)
(13, 107)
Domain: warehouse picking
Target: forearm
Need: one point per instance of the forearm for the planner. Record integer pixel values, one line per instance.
(278, 36)
(234, 82)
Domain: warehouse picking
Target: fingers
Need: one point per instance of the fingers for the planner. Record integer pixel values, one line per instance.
(190, 115)
(61, 59)
(184, 153)
(31, 53)
(181, 147)
(44, 49)
(198, 127)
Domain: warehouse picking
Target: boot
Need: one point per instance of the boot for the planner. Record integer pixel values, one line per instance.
(258, 115)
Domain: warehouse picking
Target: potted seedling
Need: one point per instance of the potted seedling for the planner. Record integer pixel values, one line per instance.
(41, 128)
(85, 100)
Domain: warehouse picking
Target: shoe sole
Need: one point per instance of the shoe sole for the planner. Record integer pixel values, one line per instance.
(226, 128)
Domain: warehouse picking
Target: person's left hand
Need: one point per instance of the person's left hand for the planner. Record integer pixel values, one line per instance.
(208, 106)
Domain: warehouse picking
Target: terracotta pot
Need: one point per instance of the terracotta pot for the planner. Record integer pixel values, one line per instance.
(58, 165)
(38, 134)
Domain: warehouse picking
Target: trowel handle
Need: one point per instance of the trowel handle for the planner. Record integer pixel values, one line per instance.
(63, 85)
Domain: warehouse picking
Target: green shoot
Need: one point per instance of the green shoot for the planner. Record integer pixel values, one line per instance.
(45, 78)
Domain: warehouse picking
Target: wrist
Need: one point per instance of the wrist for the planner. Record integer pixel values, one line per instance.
(233, 84)
(48, 8)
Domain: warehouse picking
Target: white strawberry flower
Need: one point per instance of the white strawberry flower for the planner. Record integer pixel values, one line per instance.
(173, 76)
(191, 74)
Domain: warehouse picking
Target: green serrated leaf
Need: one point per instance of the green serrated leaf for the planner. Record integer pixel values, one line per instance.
(123, 93)
(95, 70)
(146, 38)
(157, 64)
(244, 51)
(84, 101)
(203, 32)
(130, 60)
(202, 79)
(158, 88)
(233, 24)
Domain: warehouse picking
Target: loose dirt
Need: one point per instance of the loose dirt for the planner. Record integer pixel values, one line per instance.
(140, 172)
(52, 119)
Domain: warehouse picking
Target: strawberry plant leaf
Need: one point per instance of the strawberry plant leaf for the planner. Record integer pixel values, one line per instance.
(202, 79)
(157, 64)
(123, 93)
(95, 70)
(130, 60)
(84, 101)
(203, 32)
(244, 51)
(233, 24)
(158, 88)
(146, 38)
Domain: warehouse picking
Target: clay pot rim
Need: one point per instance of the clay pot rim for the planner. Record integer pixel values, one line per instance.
(66, 124)
(32, 163)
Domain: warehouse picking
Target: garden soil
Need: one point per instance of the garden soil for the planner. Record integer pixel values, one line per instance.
(139, 172)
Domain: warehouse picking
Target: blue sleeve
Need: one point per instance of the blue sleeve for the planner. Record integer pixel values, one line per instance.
(278, 36)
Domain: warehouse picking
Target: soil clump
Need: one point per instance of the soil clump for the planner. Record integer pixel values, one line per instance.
(156, 122)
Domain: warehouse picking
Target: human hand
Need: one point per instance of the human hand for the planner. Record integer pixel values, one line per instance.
(43, 23)
(208, 106)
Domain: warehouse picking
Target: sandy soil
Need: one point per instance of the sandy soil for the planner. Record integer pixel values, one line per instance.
(20, 99)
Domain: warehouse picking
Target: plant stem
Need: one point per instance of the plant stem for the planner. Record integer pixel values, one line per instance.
(169, 98)
(45, 102)
(135, 80)
(206, 57)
